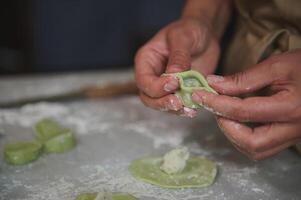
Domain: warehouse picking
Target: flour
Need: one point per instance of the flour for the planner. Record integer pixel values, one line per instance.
(114, 177)
(84, 121)
(53, 180)
(28, 115)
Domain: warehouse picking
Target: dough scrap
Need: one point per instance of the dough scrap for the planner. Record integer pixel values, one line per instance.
(190, 81)
(22, 152)
(199, 172)
(175, 160)
(113, 195)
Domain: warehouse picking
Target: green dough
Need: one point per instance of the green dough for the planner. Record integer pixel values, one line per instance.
(86, 196)
(55, 138)
(115, 195)
(22, 152)
(60, 143)
(199, 172)
(190, 81)
(123, 196)
(47, 128)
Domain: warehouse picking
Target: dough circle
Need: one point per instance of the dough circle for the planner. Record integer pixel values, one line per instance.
(199, 172)
(22, 152)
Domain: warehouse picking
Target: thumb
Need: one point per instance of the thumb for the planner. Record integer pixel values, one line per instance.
(180, 53)
(244, 82)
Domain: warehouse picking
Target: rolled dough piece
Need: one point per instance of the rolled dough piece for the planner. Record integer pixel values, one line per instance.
(190, 81)
(56, 139)
(114, 195)
(46, 129)
(61, 143)
(22, 152)
(198, 172)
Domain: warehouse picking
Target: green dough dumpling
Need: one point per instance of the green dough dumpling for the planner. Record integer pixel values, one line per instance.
(46, 129)
(23, 152)
(198, 172)
(114, 196)
(60, 143)
(190, 81)
(55, 138)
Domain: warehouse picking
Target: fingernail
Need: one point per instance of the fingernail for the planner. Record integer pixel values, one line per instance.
(215, 79)
(171, 85)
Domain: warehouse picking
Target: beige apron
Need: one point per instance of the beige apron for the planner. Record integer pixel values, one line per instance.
(264, 28)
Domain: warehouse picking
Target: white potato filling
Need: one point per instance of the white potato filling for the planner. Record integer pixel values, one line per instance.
(175, 160)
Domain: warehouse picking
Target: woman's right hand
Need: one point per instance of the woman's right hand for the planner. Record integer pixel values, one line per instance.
(188, 43)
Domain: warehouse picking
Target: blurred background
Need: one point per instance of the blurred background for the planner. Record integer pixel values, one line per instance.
(71, 35)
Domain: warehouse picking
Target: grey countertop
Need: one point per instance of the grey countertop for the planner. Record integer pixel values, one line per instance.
(112, 132)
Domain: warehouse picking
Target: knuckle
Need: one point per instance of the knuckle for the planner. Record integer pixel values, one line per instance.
(297, 113)
(180, 56)
(240, 113)
(191, 32)
(252, 146)
(239, 78)
(146, 101)
(139, 55)
(152, 94)
(278, 66)
(142, 98)
(184, 28)
(294, 113)
(244, 114)
(140, 81)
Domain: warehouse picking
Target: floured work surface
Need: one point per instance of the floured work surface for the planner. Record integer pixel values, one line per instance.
(112, 133)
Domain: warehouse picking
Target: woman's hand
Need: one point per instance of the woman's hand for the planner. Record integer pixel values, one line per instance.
(279, 113)
(185, 44)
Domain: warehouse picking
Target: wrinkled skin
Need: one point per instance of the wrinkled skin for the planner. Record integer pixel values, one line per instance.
(185, 44)
(279, 113)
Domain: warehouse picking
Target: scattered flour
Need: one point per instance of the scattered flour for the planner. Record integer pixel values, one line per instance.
(99, 118)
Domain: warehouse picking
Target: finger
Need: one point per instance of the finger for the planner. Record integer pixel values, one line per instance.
(206, 62)
(156, 87)
(279, 107)
(167, 103)
(260, 139)
(149, 66)
(183, 42)
(180, 54)
(273, 151)
(247, 81)
(266, 154)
